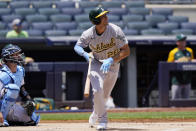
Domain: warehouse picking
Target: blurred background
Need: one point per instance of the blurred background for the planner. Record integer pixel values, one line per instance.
(59, 74)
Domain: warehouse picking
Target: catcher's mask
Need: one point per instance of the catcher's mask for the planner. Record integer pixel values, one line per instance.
(95, 14)
(13, 53)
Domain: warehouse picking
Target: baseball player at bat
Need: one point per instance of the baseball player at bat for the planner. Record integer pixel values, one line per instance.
(109, 45)
(11, 86)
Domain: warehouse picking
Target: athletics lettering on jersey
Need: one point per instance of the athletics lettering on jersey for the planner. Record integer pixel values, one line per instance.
(101, 47)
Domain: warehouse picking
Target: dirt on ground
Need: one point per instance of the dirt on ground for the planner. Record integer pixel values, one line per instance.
(118, 125)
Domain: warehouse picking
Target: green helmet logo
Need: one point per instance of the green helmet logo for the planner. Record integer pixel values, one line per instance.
(95, 14)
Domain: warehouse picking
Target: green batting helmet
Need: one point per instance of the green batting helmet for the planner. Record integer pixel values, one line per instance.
(95, 14)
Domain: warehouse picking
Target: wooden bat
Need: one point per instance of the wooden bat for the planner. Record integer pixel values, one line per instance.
(87, 84)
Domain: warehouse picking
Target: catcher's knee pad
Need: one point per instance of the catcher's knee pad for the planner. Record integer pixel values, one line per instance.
(9, 99)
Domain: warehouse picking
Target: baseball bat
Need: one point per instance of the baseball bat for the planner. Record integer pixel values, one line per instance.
(87, 84)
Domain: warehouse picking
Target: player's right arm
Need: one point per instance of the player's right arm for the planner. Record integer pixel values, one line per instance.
(80, 45)
(171, 55)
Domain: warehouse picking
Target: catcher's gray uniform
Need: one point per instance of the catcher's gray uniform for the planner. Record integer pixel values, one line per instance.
(103, 46)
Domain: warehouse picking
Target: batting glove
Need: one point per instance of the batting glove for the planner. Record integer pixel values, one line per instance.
(87, 56)
(106, 65)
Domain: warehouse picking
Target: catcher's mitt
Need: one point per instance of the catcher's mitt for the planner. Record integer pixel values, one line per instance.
(29, 106)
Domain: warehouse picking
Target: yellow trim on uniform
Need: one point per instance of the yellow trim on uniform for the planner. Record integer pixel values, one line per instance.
(171, 55)
(191, 51)
(102, 13)
(173, 52)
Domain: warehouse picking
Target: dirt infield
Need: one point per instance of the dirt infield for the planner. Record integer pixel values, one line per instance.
(174, 126)
(118, 125)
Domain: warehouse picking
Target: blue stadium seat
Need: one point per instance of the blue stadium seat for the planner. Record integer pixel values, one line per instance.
(84, 25)
(167, 27)
(112, 18)
(60, 18)
(24, 11)
(81, 18)
(55, 33)
(48, 11)
(3, 33)
(5, 11)
(160, 1)
(178, 19)
(64, 4)
(111, 4)
(152, 32)
(189, 25)
(71, 11)
(163, 11)
(87, 10)
(182, 31)
(139, 11)
(138, 25)
(19, 4)
(65, 25)
(184, 2)
(134, 4)
(87, 4)
(2, 25)
(42, 26)
(117, 11)
(130, 32)
(42, 4)
(75, 32)
(131, 18)
(119, 23)
(154, 19)
(3, 4)
(36, 18)
(35, 33)
(10, 18)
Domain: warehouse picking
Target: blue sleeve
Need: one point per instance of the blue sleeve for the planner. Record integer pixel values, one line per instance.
(4, 78)
(79, 50)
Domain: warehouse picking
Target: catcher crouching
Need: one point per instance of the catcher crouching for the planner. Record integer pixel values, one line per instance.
(12, 86)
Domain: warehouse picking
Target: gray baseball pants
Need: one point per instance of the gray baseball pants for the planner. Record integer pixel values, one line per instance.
(102, 85)
(180, 91)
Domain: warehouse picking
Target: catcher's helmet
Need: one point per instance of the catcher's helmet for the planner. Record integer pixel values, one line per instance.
(9, 50)
(95, 14)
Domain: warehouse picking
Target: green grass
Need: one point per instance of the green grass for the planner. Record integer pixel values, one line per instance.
(121, 115)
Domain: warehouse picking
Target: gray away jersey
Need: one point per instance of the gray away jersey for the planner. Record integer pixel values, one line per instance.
(106, 45)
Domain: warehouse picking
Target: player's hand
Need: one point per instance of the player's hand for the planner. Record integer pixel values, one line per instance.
(87, 56)
(106, 65)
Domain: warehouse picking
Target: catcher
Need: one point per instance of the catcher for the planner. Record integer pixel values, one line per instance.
(11, 86)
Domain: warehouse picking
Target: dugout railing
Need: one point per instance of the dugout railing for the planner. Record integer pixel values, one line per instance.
(56, 82)
(165, 69)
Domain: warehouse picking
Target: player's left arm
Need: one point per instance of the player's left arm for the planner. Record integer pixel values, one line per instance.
(124, 52)
(24, 94)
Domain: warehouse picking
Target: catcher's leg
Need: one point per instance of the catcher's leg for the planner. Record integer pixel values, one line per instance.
(9, 100)
(23, 115)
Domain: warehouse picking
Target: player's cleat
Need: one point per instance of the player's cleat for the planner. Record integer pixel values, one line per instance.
(92, 119)
(5, 123)
(102, 126)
